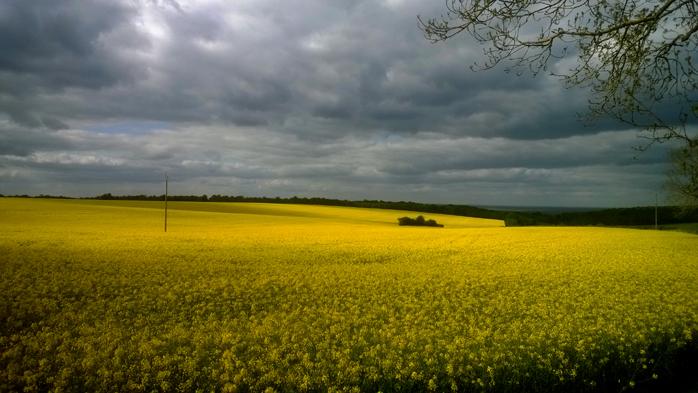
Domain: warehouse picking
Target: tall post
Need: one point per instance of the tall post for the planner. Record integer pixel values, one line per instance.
(656, 215)
(166, 202)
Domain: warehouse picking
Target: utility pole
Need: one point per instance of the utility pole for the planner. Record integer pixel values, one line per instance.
(166, 202)
(656, 215)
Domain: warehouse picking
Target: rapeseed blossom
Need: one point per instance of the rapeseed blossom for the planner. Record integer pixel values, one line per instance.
(260, 297)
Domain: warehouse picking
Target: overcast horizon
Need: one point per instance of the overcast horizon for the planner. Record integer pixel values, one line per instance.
(303, 98)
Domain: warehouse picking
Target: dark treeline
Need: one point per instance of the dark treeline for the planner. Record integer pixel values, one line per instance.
(635, 216)
(142, 197)
(457, 210)
(41, 196)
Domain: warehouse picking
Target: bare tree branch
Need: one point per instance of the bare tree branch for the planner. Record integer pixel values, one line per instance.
(638, 57)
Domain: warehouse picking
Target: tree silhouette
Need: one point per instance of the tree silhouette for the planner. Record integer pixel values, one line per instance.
(637, 56)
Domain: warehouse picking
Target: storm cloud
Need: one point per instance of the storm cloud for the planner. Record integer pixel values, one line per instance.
(311, 98)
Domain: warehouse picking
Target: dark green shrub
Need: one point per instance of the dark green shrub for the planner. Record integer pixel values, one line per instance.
(420, 221)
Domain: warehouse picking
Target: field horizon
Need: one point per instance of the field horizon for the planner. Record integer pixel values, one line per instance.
(264, 297)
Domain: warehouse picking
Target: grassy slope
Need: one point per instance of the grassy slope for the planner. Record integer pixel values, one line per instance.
(94, 296)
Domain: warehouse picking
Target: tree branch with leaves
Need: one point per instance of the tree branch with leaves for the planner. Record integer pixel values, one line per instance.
(638, 57)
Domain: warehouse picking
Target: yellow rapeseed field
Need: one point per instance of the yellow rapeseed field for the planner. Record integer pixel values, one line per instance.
(94, 296)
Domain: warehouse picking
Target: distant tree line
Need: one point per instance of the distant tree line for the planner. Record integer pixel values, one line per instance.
(457, 210)
(635, 216)
(41, 196)
(142, 197)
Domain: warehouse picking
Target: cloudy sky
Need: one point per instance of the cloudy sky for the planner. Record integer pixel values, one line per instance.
(329, 98)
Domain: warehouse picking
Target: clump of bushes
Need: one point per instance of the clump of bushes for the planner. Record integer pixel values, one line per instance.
(420, 221)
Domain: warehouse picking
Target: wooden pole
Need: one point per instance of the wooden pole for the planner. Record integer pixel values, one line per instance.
(166, 202)
(656, 215)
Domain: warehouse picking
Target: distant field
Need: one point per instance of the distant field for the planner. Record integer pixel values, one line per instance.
(688, 228)
(263, 297)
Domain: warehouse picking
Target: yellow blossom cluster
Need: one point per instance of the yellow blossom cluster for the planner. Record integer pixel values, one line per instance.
(238, 297)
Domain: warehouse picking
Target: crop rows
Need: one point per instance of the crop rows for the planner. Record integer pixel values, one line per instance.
(94, 299)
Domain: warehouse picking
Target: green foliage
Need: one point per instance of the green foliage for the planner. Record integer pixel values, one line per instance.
(419, 221)
(688, 228)
(683, 177)
(635, 216)
(516, 219)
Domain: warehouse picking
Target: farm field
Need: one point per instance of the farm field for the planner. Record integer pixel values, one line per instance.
(689, 228)
(94, 296)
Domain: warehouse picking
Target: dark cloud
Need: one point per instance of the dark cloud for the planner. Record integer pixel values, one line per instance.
(328, 98)
(20, 141)
(363, 67)
(416, 167)
(61, 43)
(50, 46)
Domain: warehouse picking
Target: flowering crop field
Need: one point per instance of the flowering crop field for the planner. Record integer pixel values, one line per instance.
(94, 296)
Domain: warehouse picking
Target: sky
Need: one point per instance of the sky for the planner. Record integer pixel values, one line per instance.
(314, 98)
